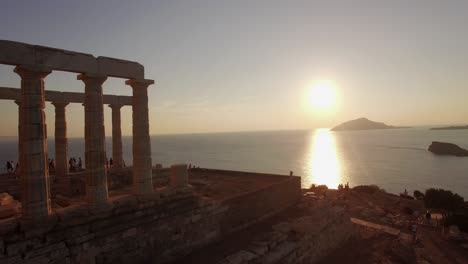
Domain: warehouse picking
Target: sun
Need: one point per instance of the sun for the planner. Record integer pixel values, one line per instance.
(322, 96)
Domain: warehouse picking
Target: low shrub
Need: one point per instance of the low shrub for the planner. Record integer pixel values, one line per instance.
(370, 189)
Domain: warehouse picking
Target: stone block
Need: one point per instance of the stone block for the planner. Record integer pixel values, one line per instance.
(65, 60)
(16, 53)
(179, 176)
(120, 68)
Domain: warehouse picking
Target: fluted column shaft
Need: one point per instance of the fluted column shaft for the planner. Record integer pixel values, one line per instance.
(35, 194)
(61, 141)
(117, 156)
(95, 145)
(18, 102)
(142, 173)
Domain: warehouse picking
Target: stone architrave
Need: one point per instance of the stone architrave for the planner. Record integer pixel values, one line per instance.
(142, 164)
(61, 141)
(18, 102)
(95, 145)
(117, 156)
(35, 193)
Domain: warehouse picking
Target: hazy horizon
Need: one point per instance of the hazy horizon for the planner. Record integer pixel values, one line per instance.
(225, 66)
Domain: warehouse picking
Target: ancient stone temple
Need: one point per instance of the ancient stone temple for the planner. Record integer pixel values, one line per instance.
(153, 214)
(33, 64)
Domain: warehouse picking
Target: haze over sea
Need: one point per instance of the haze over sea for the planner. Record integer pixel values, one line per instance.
(393, 159)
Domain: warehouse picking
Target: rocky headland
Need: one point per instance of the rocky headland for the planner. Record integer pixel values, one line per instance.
(444, 148)
(449, 128)
(362, 124)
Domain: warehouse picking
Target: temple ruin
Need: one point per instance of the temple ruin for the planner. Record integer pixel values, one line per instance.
(158, 215)
(33, 64)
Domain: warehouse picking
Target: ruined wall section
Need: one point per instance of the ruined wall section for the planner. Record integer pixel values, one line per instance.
(299, 241)
(138, 230)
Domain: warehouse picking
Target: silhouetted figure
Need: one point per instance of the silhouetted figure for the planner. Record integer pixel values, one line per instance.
(107, 163)
(9, 166)
(111, 162)
(291, 173)
(347, 186)
(80, 163)
(428, 216)
(414, 230)
(51, 165)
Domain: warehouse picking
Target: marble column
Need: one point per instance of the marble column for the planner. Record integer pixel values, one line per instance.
(117, 156)
(142, 165)
(95, 145)
(18, 102)
(35, 193)
(61, 141)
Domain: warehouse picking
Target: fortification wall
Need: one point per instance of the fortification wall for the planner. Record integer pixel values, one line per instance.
(141, 230)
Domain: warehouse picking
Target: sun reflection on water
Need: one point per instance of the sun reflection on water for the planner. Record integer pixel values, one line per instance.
(323, 162)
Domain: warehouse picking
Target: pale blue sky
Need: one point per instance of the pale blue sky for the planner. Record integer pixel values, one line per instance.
(245, 65)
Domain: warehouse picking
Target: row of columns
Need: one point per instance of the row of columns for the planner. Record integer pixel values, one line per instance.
(61, 140)
(33, 141)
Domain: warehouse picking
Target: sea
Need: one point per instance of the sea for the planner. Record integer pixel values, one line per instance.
(393, 159)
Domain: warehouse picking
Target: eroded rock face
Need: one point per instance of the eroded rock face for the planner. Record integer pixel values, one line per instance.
(443, 148)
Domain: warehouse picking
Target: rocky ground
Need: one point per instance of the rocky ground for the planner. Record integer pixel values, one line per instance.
(385, 236)
(380, 226)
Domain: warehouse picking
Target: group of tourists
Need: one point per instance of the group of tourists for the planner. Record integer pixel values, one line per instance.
(110, 163)
(75, 165)
(343, 187)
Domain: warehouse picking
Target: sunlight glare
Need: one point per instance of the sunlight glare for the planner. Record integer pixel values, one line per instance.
(322, 96)
(324, 165)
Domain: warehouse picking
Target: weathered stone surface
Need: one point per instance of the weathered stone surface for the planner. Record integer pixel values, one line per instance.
(95, 145)
(64, 60)
(117, 152)
(16, 53)
(120, 68)
(142, 164)
(35, 194)
(179, 176)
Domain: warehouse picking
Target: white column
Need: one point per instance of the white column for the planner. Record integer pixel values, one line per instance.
(61, 141)
(117, 155)
(142, 164)
(95, 145)
(35, 194)
(18, 102)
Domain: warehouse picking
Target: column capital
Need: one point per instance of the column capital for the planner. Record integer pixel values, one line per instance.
(89, 78)
(32, 71)
(139, 83)
(115, 106)
(59, 104)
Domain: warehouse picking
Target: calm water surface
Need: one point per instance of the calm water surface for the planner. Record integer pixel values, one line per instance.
(393, 159)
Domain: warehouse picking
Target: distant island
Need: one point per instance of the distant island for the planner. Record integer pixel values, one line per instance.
(362, 124)
(444, 148)
(449, 128)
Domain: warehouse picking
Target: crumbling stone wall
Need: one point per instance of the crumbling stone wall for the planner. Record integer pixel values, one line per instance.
(140, 230)
(299, 241)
